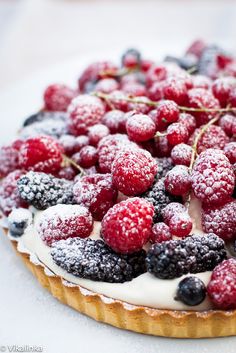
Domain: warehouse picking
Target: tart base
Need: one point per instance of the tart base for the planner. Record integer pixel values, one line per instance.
(166, 323)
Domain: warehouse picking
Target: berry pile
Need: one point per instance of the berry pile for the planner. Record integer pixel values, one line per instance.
(132, 147)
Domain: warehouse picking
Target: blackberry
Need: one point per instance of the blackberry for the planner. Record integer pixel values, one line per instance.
(94, 260)
(186, 62)
(164, 166)
(44, 190)
(160, 198)
(191, 291)
(194, 254)
(207, 61)
(42, 115)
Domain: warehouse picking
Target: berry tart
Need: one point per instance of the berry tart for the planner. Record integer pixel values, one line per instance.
(119, 195)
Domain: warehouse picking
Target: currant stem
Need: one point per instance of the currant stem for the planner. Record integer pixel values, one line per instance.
(70, 161)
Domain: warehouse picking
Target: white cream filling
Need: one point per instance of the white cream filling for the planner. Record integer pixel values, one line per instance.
(145, 290)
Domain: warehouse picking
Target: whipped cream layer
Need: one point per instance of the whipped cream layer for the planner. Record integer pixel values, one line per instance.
(144, 290)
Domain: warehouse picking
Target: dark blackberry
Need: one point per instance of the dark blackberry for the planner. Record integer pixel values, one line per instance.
(194, 254)
(160, 198)
(93, 259)
(43, 190)
(186, 62)
(207, 61)
(191, 291)
(42, 115)
(164, 166)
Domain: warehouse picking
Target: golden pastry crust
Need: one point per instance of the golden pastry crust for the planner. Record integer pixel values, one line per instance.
(167, 323)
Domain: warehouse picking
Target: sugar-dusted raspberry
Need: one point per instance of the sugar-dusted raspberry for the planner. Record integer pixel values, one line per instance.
(178, 180)
(86, 157)
(213, 177)
(131, 58)
(9, 158)
(140, 108)
(118, 100)
(96, 192)
(63, 222)
(201, 81)
(228, 124)
(106, 85)
(214, 137)
(232, 98)
(96, 133)
(163, 147)
(177, 133)
(160, 233)
(181, 154)
(42, 154)
(202, 98)
(222, 286)
(68, 173)
(146, 64)
(171, 210)
(156, 73)
(72, 144)
(230, 152)
(155, 92)
(115, 120)
(180, 224)
(196, 48)
(94, 72)
(134, 89)
(57, 97)
(220, 220)
(84, 111)
(167, 112)
(127, 226)
(222, 87)
(108, 148)
(9, 195)
(140, 127)
(189, 121)
(133, 171)
(175, 90)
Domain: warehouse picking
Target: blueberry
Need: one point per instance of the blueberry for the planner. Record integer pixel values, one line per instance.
(18, 221)
(191, 291)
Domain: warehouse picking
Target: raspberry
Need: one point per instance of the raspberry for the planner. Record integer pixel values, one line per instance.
(95, 71)
(134, 89)
(96, 192)
(222, 286)
(106, 85)
(94, 260)
(43, 190)
(64, 221)
(131, 58)
(115, 120)
(146, 64)
(108, 148)
(72, 144)
(42, 154)
(9, 195)
(96, 133)
(195, 254)
(156, 73)
(160, 233)
(188, 121)
(201, 81)
(196, 48)
(181, 154)
(155, 92)
(163, 148)
(84, 111)
(180, 224)
(171, 210)
(164, 166)
(9, 158)
(212, 177)
(191, 291)
(232, 98)
(160, 198)
(230, 152)
(133, 171)
(87, 157)
(127, 226)
(220, 220)
(222, 87)
(202, 98)
(167, 112)
(214, 137)
(177, 133)
(57, 97)
(140, 108)
(140, 127)
(178, 180)
(175, 90)
(228, 124)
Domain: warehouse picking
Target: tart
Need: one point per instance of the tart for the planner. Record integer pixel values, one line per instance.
(119, 195)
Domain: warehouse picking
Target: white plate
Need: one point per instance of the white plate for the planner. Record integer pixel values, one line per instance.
(29, 315)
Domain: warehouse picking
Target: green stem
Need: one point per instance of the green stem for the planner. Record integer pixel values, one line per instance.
(70, 161)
